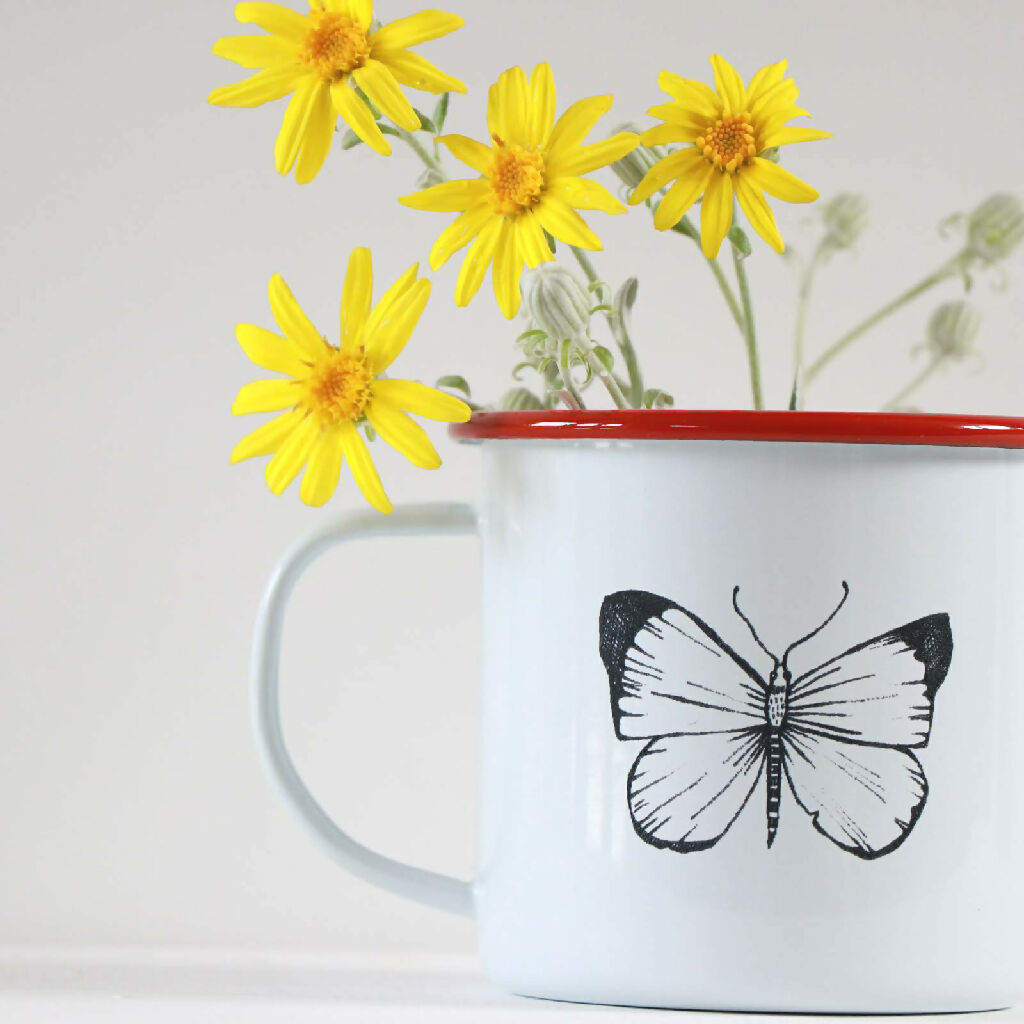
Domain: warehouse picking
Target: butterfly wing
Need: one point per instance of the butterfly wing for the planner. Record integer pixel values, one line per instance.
(865, 799)
(675, 682)
(850, 726)
(880, 692)
(685, 791)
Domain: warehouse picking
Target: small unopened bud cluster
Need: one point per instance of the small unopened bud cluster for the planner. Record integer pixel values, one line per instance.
(995, 228)
(952, 330)
(556, 302)
(845, 218)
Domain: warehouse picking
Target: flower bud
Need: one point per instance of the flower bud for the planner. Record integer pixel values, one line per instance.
(845, 217)
(556, 302)
(995, 228)
(952, 330)
(630, 170)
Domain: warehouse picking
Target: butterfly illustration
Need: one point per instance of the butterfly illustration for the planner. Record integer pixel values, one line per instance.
(843, 734)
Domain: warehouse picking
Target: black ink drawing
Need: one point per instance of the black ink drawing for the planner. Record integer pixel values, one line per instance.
(843, 734)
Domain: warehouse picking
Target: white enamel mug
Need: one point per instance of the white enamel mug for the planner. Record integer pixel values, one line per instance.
(753, 709)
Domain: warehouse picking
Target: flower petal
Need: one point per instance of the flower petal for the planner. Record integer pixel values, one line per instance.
(758, 212)
(270, 350)
(289, 459)
(459, 233)
(362, 468)
(542, 104)
(786, 135)
(318, 137)
(584, 194)
(263, 87)
(508, 270)
(596, 155)
(729, 84)
(393, 333)
(267, 439)
(767, 78)
(273, 18)
(681, 196)
(295, 325)
(778, 182)
(478, 259)
(417, 28)
(675, 165)
(665, 134)
(358, 117)
(715, 213)
(417, 72)
(385, 93)
(403, 434)
(693, 96)
(532, 242)
(507, 107)
(323, 469)
(576, 123)
(448, 197)
(266, 396)
(255, 51)
(564, 223)
(296, 118)
(472, 153)
(422, 400)
(783, 93)
(356, 296)
(360, 10)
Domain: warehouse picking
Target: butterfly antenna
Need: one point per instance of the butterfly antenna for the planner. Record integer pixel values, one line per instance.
(750, 625)
(815, 632)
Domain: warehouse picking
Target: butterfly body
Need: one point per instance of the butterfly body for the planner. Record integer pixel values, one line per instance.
(842, 735)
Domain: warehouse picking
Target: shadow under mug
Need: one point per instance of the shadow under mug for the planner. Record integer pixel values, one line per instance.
(752, 708)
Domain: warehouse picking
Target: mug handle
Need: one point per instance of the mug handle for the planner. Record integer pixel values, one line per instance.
(429, 887)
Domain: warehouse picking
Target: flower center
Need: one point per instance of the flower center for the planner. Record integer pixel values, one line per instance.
(334, 46)
(729, 142)
(517, 178)
(339, 389)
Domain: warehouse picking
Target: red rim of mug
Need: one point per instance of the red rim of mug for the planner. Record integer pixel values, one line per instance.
(724, 425)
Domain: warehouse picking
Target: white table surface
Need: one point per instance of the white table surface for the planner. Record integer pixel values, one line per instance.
(195, 988)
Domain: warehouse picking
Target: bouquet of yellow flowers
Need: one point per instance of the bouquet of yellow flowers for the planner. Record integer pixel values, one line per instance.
(517, 208)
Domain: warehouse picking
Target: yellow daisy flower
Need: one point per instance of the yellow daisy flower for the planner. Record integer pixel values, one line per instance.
(530, 182)
(328, 391)
(319, 57)
(729, 127)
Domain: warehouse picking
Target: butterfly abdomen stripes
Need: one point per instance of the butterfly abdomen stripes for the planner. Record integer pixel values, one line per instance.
(774, 782)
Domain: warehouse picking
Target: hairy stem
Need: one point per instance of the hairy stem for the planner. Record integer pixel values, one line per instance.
(901, 396)
(803, 302)
(837, 347)
(430, 161)
(620, 332)
(749, 333)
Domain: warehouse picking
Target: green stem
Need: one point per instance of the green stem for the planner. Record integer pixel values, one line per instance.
(946, 270)
(600, 371)
(914, 384)
(565, 368)
(749, 333)
(800, 325)
(619, 331)
(432, 163)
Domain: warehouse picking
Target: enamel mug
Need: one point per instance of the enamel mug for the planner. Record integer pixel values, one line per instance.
(752, 709)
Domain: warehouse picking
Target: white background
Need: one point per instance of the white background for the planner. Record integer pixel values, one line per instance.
(139, 225)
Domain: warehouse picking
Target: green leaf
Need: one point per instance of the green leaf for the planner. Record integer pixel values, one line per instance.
(520, 399)
(454, 383)
(605, 356)
(371, 434)
(426, 123)
(625, 297)
(350, 140)
(441, 112)
(655, 398)
(386, 129)
(535, 333)
(552, 244)
(740, 241)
